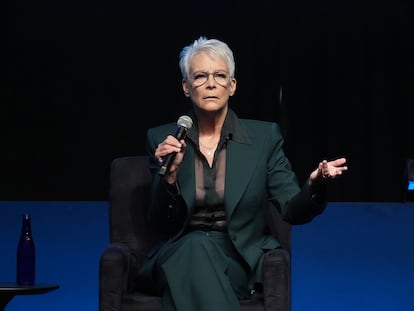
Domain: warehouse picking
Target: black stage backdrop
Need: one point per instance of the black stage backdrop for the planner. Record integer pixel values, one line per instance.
(82, 80)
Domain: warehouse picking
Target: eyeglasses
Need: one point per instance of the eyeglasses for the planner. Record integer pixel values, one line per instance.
(201, 77)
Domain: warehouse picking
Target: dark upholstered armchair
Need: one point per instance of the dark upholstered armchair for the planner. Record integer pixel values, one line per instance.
(131, 237)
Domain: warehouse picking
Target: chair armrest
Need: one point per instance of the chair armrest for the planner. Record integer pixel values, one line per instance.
(114, 280)
(277, 280)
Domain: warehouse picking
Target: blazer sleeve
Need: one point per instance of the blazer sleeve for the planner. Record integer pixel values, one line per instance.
(167, 209)
(298, 205)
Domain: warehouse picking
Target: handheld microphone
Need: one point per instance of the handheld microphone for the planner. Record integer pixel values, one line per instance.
(184, 123)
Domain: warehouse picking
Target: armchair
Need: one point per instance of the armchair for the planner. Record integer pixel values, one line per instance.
(131, 236)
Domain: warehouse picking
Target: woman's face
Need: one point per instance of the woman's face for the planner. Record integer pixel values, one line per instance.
(209, 84)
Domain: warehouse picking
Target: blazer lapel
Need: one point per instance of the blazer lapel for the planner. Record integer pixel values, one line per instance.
(241, 161)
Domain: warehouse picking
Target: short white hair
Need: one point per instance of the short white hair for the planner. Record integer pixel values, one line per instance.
(211, 46)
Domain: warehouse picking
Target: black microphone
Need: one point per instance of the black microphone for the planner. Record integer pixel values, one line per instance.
(184, 123)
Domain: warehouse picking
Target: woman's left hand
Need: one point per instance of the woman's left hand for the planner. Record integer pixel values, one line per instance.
(328, 170)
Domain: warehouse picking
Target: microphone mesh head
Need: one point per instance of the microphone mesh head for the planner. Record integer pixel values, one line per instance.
(185, 121)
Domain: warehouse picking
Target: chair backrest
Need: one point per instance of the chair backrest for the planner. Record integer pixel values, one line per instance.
(130, 183)
(129, 192)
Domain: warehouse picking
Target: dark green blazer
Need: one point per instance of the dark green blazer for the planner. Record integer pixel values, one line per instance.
(256, 170)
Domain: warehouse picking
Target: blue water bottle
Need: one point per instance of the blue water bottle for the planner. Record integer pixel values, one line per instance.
(26, 255)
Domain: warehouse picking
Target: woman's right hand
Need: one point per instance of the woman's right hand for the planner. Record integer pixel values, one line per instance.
(168, 146)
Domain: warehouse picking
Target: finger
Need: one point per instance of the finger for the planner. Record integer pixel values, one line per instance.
(167, 147)
(172, 141)
(338, 171)
(338, 162)
(325, 169)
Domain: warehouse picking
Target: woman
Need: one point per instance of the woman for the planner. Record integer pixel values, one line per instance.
(209, 201)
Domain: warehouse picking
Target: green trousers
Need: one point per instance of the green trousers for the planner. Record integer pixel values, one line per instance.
(202, 271)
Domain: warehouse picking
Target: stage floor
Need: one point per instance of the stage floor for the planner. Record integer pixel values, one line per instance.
(355, 256)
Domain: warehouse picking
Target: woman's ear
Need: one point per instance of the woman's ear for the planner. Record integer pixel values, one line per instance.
(233, 86)
(186, 89)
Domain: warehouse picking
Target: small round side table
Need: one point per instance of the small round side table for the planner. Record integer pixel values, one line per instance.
(9, 289)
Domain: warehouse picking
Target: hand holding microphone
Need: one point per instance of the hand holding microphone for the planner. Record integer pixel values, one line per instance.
(184, 123)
